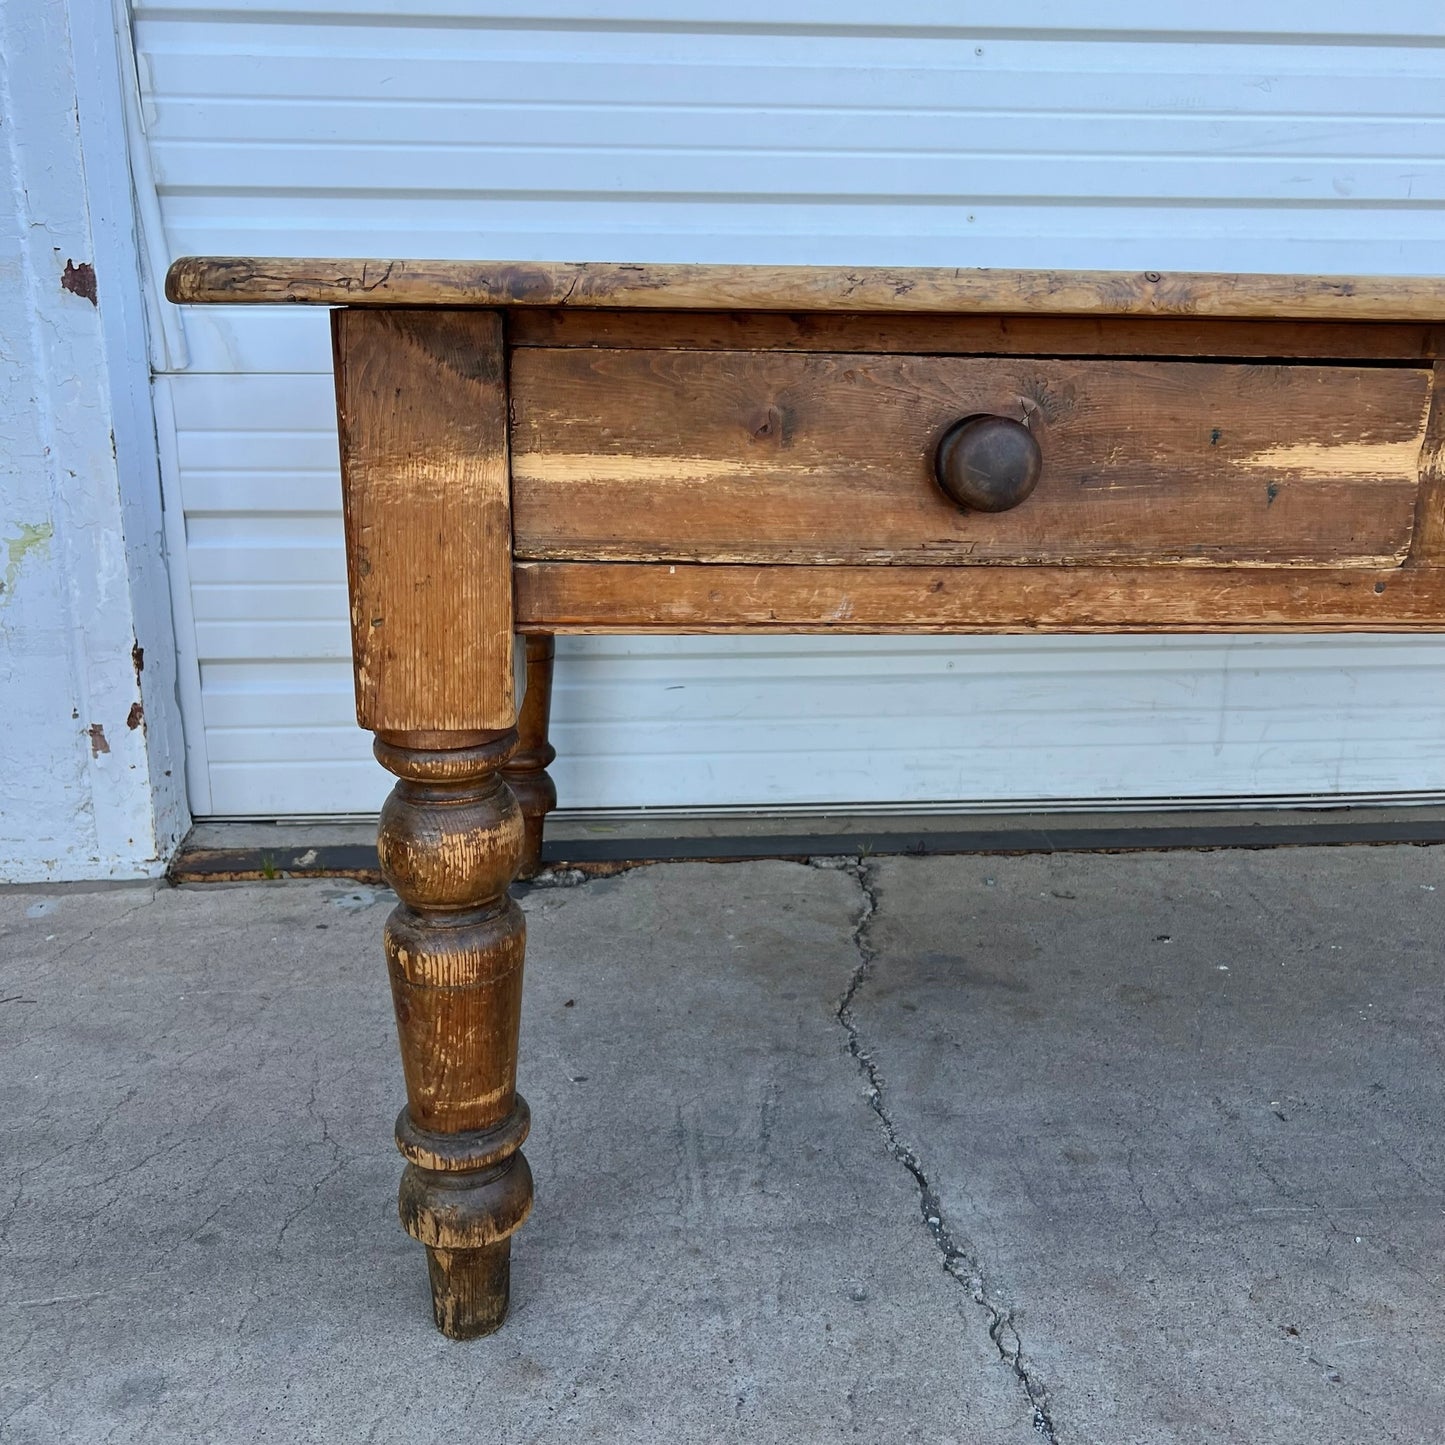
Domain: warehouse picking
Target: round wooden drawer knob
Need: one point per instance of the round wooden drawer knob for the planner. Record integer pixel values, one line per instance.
(988, 463)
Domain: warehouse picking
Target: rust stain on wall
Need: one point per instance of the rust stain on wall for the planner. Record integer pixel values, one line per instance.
(98, 744)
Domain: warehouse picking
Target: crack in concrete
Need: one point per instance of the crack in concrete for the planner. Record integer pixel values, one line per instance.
(961, 1265)
(964, 1268)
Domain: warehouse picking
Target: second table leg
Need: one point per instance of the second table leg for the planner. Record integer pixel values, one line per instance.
(526, 771)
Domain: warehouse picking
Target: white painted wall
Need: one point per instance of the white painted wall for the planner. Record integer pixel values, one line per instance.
(1271, 135)
(90, 747)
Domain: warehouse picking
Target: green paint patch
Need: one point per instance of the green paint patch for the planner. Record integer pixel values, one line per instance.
(1271, 492)
(34, 538)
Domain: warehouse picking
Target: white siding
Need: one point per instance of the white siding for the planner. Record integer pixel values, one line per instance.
(1283, 137)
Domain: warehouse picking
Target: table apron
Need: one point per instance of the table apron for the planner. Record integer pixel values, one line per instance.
(703, 598)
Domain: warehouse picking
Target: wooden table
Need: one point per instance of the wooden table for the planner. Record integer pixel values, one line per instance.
(535, 449)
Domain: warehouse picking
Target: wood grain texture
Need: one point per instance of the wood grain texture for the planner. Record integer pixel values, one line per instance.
(329, 282)
(571, 597)
(422, 418)
(1429, 543)
(449, 842)
(1119, 336)
(526, 772)
(805, 458)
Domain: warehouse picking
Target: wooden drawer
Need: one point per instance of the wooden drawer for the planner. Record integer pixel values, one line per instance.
(789, 457)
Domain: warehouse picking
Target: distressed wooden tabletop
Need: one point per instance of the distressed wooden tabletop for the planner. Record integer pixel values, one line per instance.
(959, 291)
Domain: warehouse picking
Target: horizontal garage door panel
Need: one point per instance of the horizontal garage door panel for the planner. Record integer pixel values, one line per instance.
(716, 722)
(782, 132)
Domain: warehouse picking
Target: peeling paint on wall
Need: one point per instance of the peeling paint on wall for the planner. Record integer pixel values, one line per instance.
(80, 280)
(32, 539)
(87, 741)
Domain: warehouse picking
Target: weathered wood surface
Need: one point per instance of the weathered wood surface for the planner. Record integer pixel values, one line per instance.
(331, 282)
(1429, 542)
(828, 458)
(422, 416)
(622, 597)
(526, 772)
(923, 335)
(449, 843)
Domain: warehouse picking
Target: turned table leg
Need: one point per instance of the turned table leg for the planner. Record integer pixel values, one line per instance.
(526, 773)
(421, 409)
(450, 841)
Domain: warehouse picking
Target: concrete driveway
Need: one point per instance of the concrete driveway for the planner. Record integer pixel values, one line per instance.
(1082, 1148)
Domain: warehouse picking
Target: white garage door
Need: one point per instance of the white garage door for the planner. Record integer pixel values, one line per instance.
(1278, 136)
